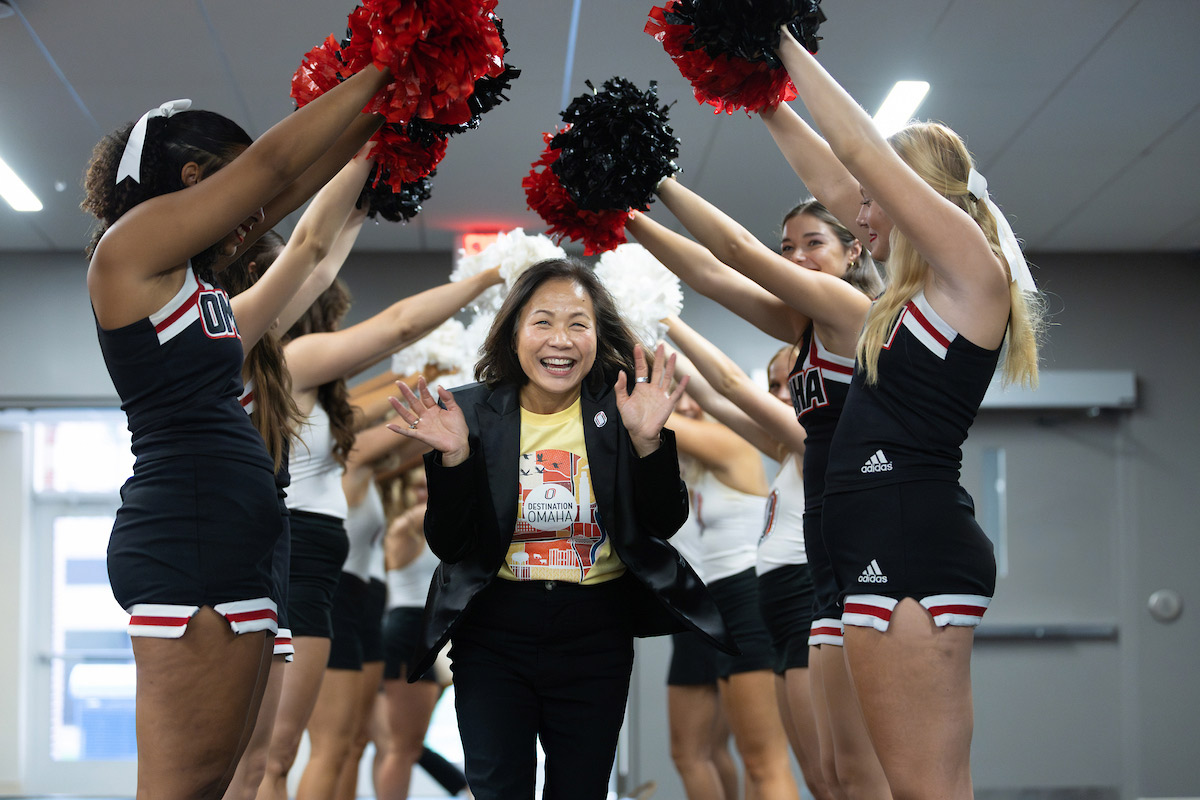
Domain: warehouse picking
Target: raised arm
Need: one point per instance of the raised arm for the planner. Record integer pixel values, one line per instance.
(405, 538)
(164, 232)
(374, 443)
(709, 276)
(816, 165)
(817, 296)
(321, 357)
(284, 291)
(964, 269)
(723, 410)
(325, 273)
(776, 419)
(733, 460)
(370, 396)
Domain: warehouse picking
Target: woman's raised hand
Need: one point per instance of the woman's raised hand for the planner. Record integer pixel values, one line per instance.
(443, 429)
(645, 410)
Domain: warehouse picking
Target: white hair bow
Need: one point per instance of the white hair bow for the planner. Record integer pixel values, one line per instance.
(131, 159)
(1018, 268)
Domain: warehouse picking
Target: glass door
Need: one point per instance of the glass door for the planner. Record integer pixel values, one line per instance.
(81, 706)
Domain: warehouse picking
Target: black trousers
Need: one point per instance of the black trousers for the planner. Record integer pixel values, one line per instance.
(548, 660)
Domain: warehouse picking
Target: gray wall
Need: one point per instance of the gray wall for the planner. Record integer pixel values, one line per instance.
(1100, 517)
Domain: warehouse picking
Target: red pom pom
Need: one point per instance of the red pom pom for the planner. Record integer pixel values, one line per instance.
(723, 82)
(403, 160)
(599, 231)
(320, 70)
(435, 49)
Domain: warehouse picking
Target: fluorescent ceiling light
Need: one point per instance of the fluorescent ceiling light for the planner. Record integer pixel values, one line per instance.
(900, 104)
(16, 192)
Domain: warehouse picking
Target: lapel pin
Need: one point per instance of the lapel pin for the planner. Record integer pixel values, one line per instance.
(600, 419)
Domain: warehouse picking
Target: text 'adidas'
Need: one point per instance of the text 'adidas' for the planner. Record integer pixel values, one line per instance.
(877, 463)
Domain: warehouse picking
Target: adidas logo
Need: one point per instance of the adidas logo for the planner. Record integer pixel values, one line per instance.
(877, 463)
(873, 574)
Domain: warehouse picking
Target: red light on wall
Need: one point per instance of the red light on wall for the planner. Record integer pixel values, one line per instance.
(475, 243)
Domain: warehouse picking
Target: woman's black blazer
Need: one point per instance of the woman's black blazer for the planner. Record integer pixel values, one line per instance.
(642, 502)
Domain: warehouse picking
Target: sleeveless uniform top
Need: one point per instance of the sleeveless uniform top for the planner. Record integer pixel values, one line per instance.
(911, 424)
(782, 540)
(316, 474)
(818, 386)
(729, 527)
(409, 586)
(376, 568)
(364, 527)
(179, 374)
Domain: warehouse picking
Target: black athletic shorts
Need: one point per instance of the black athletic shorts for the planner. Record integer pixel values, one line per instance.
(785, 598)
(195, 531)
(349, 615)
(372, 629)
(737, 599)
(319, 548)
(917, 539)
(693, 661)
(401, 637)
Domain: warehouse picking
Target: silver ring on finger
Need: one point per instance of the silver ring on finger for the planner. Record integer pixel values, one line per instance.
(643, 379)
(413, 425)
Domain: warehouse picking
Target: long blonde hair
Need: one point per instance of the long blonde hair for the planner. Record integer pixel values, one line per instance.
(940, 158)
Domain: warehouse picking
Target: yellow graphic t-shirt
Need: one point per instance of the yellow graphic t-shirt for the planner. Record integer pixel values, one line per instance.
(558, 535)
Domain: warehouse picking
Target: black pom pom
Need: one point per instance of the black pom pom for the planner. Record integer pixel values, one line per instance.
(380, 200)
(617, 148)
(747, 30)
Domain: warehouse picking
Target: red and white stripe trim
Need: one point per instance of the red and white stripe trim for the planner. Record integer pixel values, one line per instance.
(957, 609)
(244, 616)
(246, 398)
(169, 621)
(868, 611)
(825, 631)
(875, 611)
(923, 323)
(181, 310)
(159, 620)
(283, 643)
(833, 367)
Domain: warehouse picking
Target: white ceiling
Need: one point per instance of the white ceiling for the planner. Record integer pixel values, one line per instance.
(1081, 113)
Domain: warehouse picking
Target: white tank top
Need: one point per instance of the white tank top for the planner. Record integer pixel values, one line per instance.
(782, 541)
(316, 474)
(409, 586)
(687, 542)
(730, 524)
(364, 526)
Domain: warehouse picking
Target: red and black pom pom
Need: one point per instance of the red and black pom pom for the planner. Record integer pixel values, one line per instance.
(320, 70)
(403, 159)
(616, 148)
(599, 231)
(436, 50)
(394, 203)
(726, 48)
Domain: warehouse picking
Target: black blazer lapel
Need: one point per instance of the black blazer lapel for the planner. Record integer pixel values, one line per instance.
(601, 436)
(500, 437)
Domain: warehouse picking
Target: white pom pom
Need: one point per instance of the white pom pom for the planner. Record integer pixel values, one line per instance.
(474, 337)
(514, 252)
(644, 289)
(442, 348)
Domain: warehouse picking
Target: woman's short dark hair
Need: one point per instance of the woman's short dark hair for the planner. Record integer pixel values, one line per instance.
(498, 361)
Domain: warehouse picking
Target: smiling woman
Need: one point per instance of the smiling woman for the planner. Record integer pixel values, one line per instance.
(556, 345)
(553, 488)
